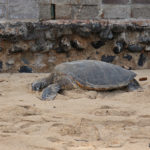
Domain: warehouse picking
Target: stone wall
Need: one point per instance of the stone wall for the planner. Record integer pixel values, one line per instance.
(39, 46)
(109, 30)
(74, 9)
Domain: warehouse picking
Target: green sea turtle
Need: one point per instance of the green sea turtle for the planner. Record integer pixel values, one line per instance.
(86, 74)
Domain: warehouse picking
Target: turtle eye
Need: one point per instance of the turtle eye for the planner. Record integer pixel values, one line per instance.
(36, 86)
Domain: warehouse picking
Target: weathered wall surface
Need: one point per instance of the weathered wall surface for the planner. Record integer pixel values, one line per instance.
(39, 46)
(74, 9)
(19, 9)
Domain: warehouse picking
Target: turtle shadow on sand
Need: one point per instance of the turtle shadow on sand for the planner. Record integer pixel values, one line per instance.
(88, 75)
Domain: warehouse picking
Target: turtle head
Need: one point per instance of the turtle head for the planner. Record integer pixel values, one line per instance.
(38, 86)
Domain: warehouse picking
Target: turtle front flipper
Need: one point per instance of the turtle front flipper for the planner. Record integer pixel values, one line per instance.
(50, 92)
(133, 85)
(42, 83)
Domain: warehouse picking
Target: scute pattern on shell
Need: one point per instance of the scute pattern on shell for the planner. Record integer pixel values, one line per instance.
(97, 75)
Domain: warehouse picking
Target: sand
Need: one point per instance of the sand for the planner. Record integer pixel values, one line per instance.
(76, 120)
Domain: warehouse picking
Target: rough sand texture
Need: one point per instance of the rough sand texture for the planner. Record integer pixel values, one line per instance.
(76, 120)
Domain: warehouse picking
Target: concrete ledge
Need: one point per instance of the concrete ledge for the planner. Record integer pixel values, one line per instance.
(138, 22)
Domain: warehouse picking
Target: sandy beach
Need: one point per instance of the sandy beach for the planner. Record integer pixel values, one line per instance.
(76, 120)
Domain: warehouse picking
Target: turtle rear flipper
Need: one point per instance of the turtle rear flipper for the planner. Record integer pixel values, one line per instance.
(133, 85)
(50, 92)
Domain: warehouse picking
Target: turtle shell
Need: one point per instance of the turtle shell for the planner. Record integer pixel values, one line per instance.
(96, 75)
